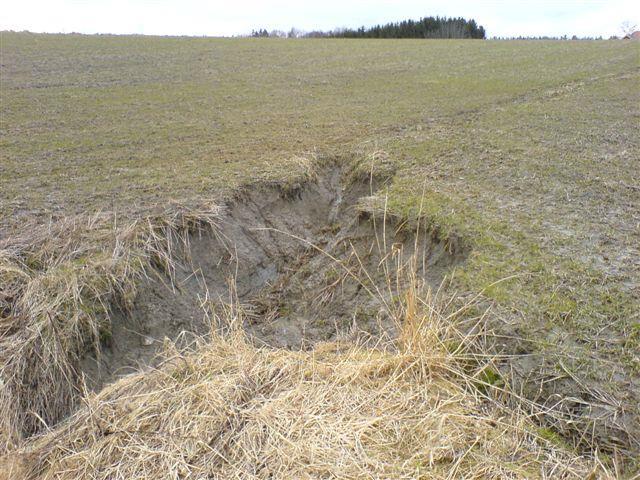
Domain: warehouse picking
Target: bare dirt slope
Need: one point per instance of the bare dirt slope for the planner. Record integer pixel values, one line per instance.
(295, 261)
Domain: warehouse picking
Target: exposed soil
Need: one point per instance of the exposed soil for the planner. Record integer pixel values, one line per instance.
(305, 264)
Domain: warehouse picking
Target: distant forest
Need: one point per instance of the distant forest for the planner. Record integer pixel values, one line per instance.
(427, 27)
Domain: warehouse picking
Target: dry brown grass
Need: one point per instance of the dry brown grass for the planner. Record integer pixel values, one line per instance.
(408, 409)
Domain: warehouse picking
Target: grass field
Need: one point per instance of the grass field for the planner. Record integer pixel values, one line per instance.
(528, 153)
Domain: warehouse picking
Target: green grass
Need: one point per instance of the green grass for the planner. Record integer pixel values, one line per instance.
(547, 190)
(528, 151)
(120, 122)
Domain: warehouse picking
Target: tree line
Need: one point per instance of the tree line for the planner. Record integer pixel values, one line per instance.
(427, 27)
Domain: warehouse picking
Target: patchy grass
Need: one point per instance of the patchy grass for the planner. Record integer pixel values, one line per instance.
(527, 152)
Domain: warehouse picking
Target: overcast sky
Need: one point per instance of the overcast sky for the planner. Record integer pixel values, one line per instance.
(233, 17)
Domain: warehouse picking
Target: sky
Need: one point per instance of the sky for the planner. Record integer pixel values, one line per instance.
(502, 18)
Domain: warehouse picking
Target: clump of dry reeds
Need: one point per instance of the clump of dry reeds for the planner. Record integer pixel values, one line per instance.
(57, 285)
